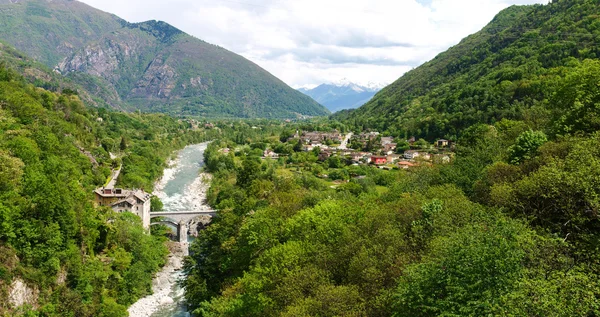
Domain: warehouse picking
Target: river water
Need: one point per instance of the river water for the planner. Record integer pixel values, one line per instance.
(182, 187)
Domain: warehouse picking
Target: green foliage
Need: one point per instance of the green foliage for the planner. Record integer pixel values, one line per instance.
(576, 103)
(464, 273)
(50, 161)
(534, 63)
(403, 243)
(156, 204)
(526, 146)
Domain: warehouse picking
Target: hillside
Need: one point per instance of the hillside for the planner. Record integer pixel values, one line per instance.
(69, 257)
(336, 97)
(149, 66)
(510, 69)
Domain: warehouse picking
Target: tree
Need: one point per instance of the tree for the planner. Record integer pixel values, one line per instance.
(298, 146)
(526, 146)
(334, 162)
(422, 144)
(123, 144)
(156, 204)
(250, 171)
(577, 102)
(402, 146)
(466, 272)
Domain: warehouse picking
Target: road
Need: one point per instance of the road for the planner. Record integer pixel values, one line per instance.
(344, 145)
(113, 178)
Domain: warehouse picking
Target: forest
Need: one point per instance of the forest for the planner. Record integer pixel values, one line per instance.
(511, 69)
(509, 228)
(81, 260)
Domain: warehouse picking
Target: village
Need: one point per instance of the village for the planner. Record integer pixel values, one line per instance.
(370, 148)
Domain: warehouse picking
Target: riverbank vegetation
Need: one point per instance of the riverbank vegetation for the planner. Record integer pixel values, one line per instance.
(76, 259)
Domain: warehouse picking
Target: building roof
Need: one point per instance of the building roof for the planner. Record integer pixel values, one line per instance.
(141, 195)
(405, 163)
(123, 195)
(130, 201)
(111, 192)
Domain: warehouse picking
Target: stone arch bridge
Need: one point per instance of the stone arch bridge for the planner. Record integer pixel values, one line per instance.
(180, 220)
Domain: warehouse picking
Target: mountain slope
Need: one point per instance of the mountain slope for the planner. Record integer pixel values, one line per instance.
(336, 97)
(510, 69)
(59, 254)
(150, 66)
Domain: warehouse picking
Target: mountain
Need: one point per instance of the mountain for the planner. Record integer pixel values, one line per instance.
(148, 66)
(510, 69)
(340, 96)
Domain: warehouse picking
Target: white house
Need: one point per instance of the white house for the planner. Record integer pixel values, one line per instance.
(411, 155)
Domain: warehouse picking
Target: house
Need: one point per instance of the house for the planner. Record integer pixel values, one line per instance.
(356, 157)
(270, 154)
(369, 135)
(442, 143)
(135, 201)
(378, 160)
(311, 137)
(389, 147)
(393, 158)
(442, 159)
(411, 155)
(424, 156)
(386, 140)
(412, 140)
(323, 156)
(209, 126)
(225, 151)
(406, 165)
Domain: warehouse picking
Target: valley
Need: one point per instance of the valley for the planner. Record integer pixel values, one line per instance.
(147, 173)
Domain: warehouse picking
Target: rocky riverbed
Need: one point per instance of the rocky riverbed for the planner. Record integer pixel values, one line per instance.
(162, 285)
(182, 187)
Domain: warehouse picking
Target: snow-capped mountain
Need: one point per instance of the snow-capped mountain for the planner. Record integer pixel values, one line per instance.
(342, 94)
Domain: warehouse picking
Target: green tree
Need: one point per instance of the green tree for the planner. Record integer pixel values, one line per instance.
(123, 144)
(250, 171)
(526, 146)
(576, 104)
(156, 204)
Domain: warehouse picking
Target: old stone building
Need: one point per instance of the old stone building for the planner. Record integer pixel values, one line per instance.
(135, 201)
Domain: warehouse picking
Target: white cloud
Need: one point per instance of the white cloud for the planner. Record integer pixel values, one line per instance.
(313, 41)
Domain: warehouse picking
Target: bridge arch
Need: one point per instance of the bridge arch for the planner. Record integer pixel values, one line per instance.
(181, 227)
(180, 219)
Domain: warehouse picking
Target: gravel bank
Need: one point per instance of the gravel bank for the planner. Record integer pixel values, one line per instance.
(162, 284)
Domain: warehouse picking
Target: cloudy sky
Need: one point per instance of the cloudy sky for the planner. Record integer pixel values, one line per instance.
(309, 42)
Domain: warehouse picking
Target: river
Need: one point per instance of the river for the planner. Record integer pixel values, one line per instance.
(182, 187)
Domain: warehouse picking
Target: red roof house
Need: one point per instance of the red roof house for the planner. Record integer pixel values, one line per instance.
(378, 160)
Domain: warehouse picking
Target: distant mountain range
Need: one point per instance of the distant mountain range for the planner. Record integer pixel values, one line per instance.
(149, 66)
(342, 95)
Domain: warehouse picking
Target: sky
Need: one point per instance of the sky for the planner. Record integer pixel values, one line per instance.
(309, 42)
